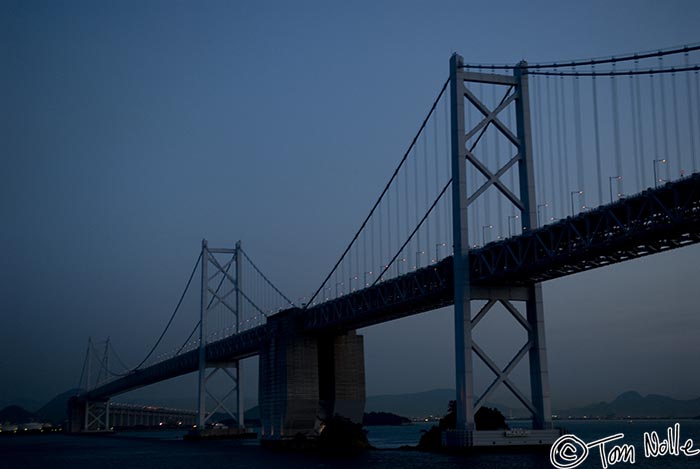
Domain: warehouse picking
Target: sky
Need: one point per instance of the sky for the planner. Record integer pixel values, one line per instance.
(131, 130)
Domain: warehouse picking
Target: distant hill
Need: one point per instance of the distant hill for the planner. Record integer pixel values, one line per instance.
(383, 418)
(16, 414)
(632, 404)
(56, 410)
(424, 404)
(414, 405)
(420, 405)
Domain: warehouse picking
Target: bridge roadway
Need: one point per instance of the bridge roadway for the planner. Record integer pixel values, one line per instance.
(653, 221)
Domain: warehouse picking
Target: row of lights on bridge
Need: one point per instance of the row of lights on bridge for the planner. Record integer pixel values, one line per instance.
(511, 222)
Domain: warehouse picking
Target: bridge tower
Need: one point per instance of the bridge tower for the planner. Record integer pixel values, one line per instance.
(465, 160)
(221, 285)
(90, 415)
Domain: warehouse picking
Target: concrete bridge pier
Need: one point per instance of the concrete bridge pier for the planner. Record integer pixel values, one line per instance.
(341, 366)
(306, 380)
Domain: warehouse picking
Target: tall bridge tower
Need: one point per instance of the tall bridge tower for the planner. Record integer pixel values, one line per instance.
(228, 294)
(465, 158)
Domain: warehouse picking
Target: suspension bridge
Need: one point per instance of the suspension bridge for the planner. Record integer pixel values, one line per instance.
(518, 174)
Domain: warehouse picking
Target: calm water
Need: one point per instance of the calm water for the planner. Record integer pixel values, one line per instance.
(167, 450)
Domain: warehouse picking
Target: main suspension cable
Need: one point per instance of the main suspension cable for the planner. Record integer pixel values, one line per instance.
(593, 61)
(379, 199)
(172, 316)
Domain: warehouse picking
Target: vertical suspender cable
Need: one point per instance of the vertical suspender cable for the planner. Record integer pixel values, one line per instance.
(554, 200)
(427, 201)
(497, 150)
(397, 192)
(334, 291)
(664, 123)
(697, 96)
(485, 157)
(616, 132)
(565, 138)
(691, 123)
(559, 160)
(640, 130)
(417, 198)
(438, 237)
(381, 238)
(364, 257)
(388, 220)
(343, 278)
(448, 212)
(596, 131)
(580, 177)
(635, 138)
(539, 160)
(373, 259)
(358, 274)
(675, 121)
(654, 127)
(408, 215)
(471, 170)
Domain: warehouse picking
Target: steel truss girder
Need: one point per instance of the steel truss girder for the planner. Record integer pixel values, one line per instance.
(235, 347)
(653, 221)
(656, 220)
(424, 289)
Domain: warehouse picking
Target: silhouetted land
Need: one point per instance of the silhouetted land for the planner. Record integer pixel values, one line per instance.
(383, 418)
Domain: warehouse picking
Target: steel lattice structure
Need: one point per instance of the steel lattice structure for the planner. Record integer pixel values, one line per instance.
(656, 220)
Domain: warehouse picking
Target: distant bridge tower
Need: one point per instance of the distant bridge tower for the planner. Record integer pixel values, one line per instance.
(221, 285)
(465, 160)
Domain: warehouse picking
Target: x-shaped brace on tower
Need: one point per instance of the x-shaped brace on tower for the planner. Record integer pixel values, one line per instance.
(227, 285)
(462, 197)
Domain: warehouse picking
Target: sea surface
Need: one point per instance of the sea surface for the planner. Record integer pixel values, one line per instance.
(167, 450)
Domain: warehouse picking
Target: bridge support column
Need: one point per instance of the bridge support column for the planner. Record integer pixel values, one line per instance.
(539, 372)
(88, 416)
(342, 377)
(465, 160)
(288, 389)
(217, 272)
(305, 380)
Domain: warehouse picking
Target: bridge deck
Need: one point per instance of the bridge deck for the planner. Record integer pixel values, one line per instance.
(653, 221)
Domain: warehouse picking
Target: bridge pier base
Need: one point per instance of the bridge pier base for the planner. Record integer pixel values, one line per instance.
(306, 380)
(538, 403)
(88, 416)
(342, 377)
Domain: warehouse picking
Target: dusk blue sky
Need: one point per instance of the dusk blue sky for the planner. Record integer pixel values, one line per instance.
(131, 130)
